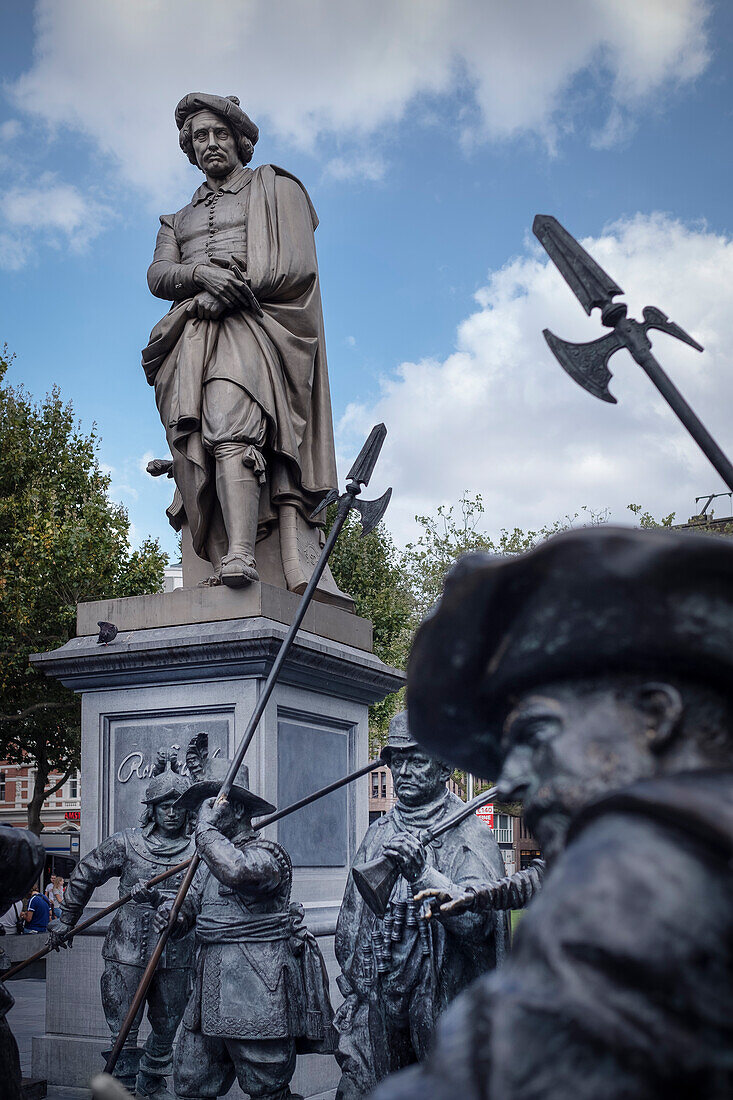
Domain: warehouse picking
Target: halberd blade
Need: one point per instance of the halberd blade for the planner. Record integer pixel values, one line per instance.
(366, 459)
(588, 281)
(587, 364)
(372, 511)
(330, 498)
(654, 318)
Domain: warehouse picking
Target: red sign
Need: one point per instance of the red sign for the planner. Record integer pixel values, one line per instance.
(73, 815)
(486, 814)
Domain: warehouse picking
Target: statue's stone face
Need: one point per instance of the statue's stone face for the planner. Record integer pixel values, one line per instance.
(214, 145)
(169, 819)
(565, 747)
(417, 778)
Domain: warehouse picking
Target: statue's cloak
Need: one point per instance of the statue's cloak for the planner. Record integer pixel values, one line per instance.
(279, 358)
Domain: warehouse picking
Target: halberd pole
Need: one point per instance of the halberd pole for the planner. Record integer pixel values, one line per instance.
(262, 824)
(371, 513)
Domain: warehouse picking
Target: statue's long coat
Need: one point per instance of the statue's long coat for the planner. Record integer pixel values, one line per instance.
(462, 947)
(279, 359)
(129, 855)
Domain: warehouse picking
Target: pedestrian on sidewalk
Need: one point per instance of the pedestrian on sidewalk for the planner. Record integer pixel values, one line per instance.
(37, 915)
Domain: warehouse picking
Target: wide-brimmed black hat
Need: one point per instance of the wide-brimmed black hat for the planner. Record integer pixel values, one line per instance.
(603, 599)
(210, 785)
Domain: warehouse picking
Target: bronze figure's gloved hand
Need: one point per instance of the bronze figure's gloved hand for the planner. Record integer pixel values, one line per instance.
(214, 813)
(143, 895)
(56, 930)
(162, 916)
(445, 904)
(408, 853)
(343, 1020)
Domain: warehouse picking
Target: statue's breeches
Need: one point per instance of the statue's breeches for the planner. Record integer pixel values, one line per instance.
(206, 1066)
(230, 415)
(378, 1044)
(166, 1001)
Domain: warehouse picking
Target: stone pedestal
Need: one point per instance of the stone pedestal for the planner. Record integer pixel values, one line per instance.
(195, 660)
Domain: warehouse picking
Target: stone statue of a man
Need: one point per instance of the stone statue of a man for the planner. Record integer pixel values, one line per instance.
(399, 973)
(239, 362)
(595, 673)
(135, 856)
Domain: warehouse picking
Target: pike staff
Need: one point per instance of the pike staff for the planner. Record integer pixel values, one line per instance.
(371, 512)
(153, 882)
(587, 364)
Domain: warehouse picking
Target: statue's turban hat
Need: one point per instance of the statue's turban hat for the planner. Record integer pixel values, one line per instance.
(226, 106)
(586, 603)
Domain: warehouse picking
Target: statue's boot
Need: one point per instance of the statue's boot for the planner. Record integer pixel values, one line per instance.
(155, 1070)
(152, 1087)
(238, 490)
(127, 1066)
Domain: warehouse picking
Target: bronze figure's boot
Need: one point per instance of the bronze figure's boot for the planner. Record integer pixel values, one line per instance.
(238, 490)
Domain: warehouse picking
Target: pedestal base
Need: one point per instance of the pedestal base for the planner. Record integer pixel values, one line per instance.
(157, 688)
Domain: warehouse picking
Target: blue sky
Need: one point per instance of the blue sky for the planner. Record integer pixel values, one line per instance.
(427, 145)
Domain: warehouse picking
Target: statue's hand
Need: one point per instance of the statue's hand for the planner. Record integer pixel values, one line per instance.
(450, 904)
(435, 897)
(408, 853)
(214, 813)
(206, 307)
(57, 929)
(162, 916)
(343, 1020)
(225, 286)
(144, 895)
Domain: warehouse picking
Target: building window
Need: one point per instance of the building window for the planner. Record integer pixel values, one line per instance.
(375, 784)
(74, 786)
(384, 784)
(2, 786)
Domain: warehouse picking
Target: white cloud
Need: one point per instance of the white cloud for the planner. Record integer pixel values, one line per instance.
(10, 129)
(56, 212)
(114, 71)
(370, 168)
(499, 416)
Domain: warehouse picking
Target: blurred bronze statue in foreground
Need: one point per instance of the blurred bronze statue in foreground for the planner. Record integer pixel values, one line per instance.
(596, 672)
(21, 862)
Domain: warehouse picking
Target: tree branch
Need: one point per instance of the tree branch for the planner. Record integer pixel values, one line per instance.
(57, 786)
(36, 706)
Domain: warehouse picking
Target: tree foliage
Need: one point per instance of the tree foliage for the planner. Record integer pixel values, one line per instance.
(62, 541)
(454, 531)
(369, 569)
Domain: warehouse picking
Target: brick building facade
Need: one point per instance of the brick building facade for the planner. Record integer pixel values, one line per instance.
(61, 814)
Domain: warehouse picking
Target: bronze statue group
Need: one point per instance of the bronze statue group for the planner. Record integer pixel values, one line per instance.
(591, 677)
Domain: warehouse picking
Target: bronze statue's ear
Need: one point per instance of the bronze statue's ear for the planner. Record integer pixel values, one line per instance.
(662, 707)
(446, 772)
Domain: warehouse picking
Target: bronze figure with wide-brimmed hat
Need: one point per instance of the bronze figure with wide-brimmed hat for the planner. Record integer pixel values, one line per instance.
(594, 676)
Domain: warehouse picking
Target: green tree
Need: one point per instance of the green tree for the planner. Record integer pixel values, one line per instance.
(369, 569)
(454, 531)
(62, 541)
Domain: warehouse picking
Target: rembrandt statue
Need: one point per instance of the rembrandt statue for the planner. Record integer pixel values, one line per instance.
(238, 363)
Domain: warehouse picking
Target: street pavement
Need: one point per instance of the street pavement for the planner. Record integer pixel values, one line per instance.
(27, 1018)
